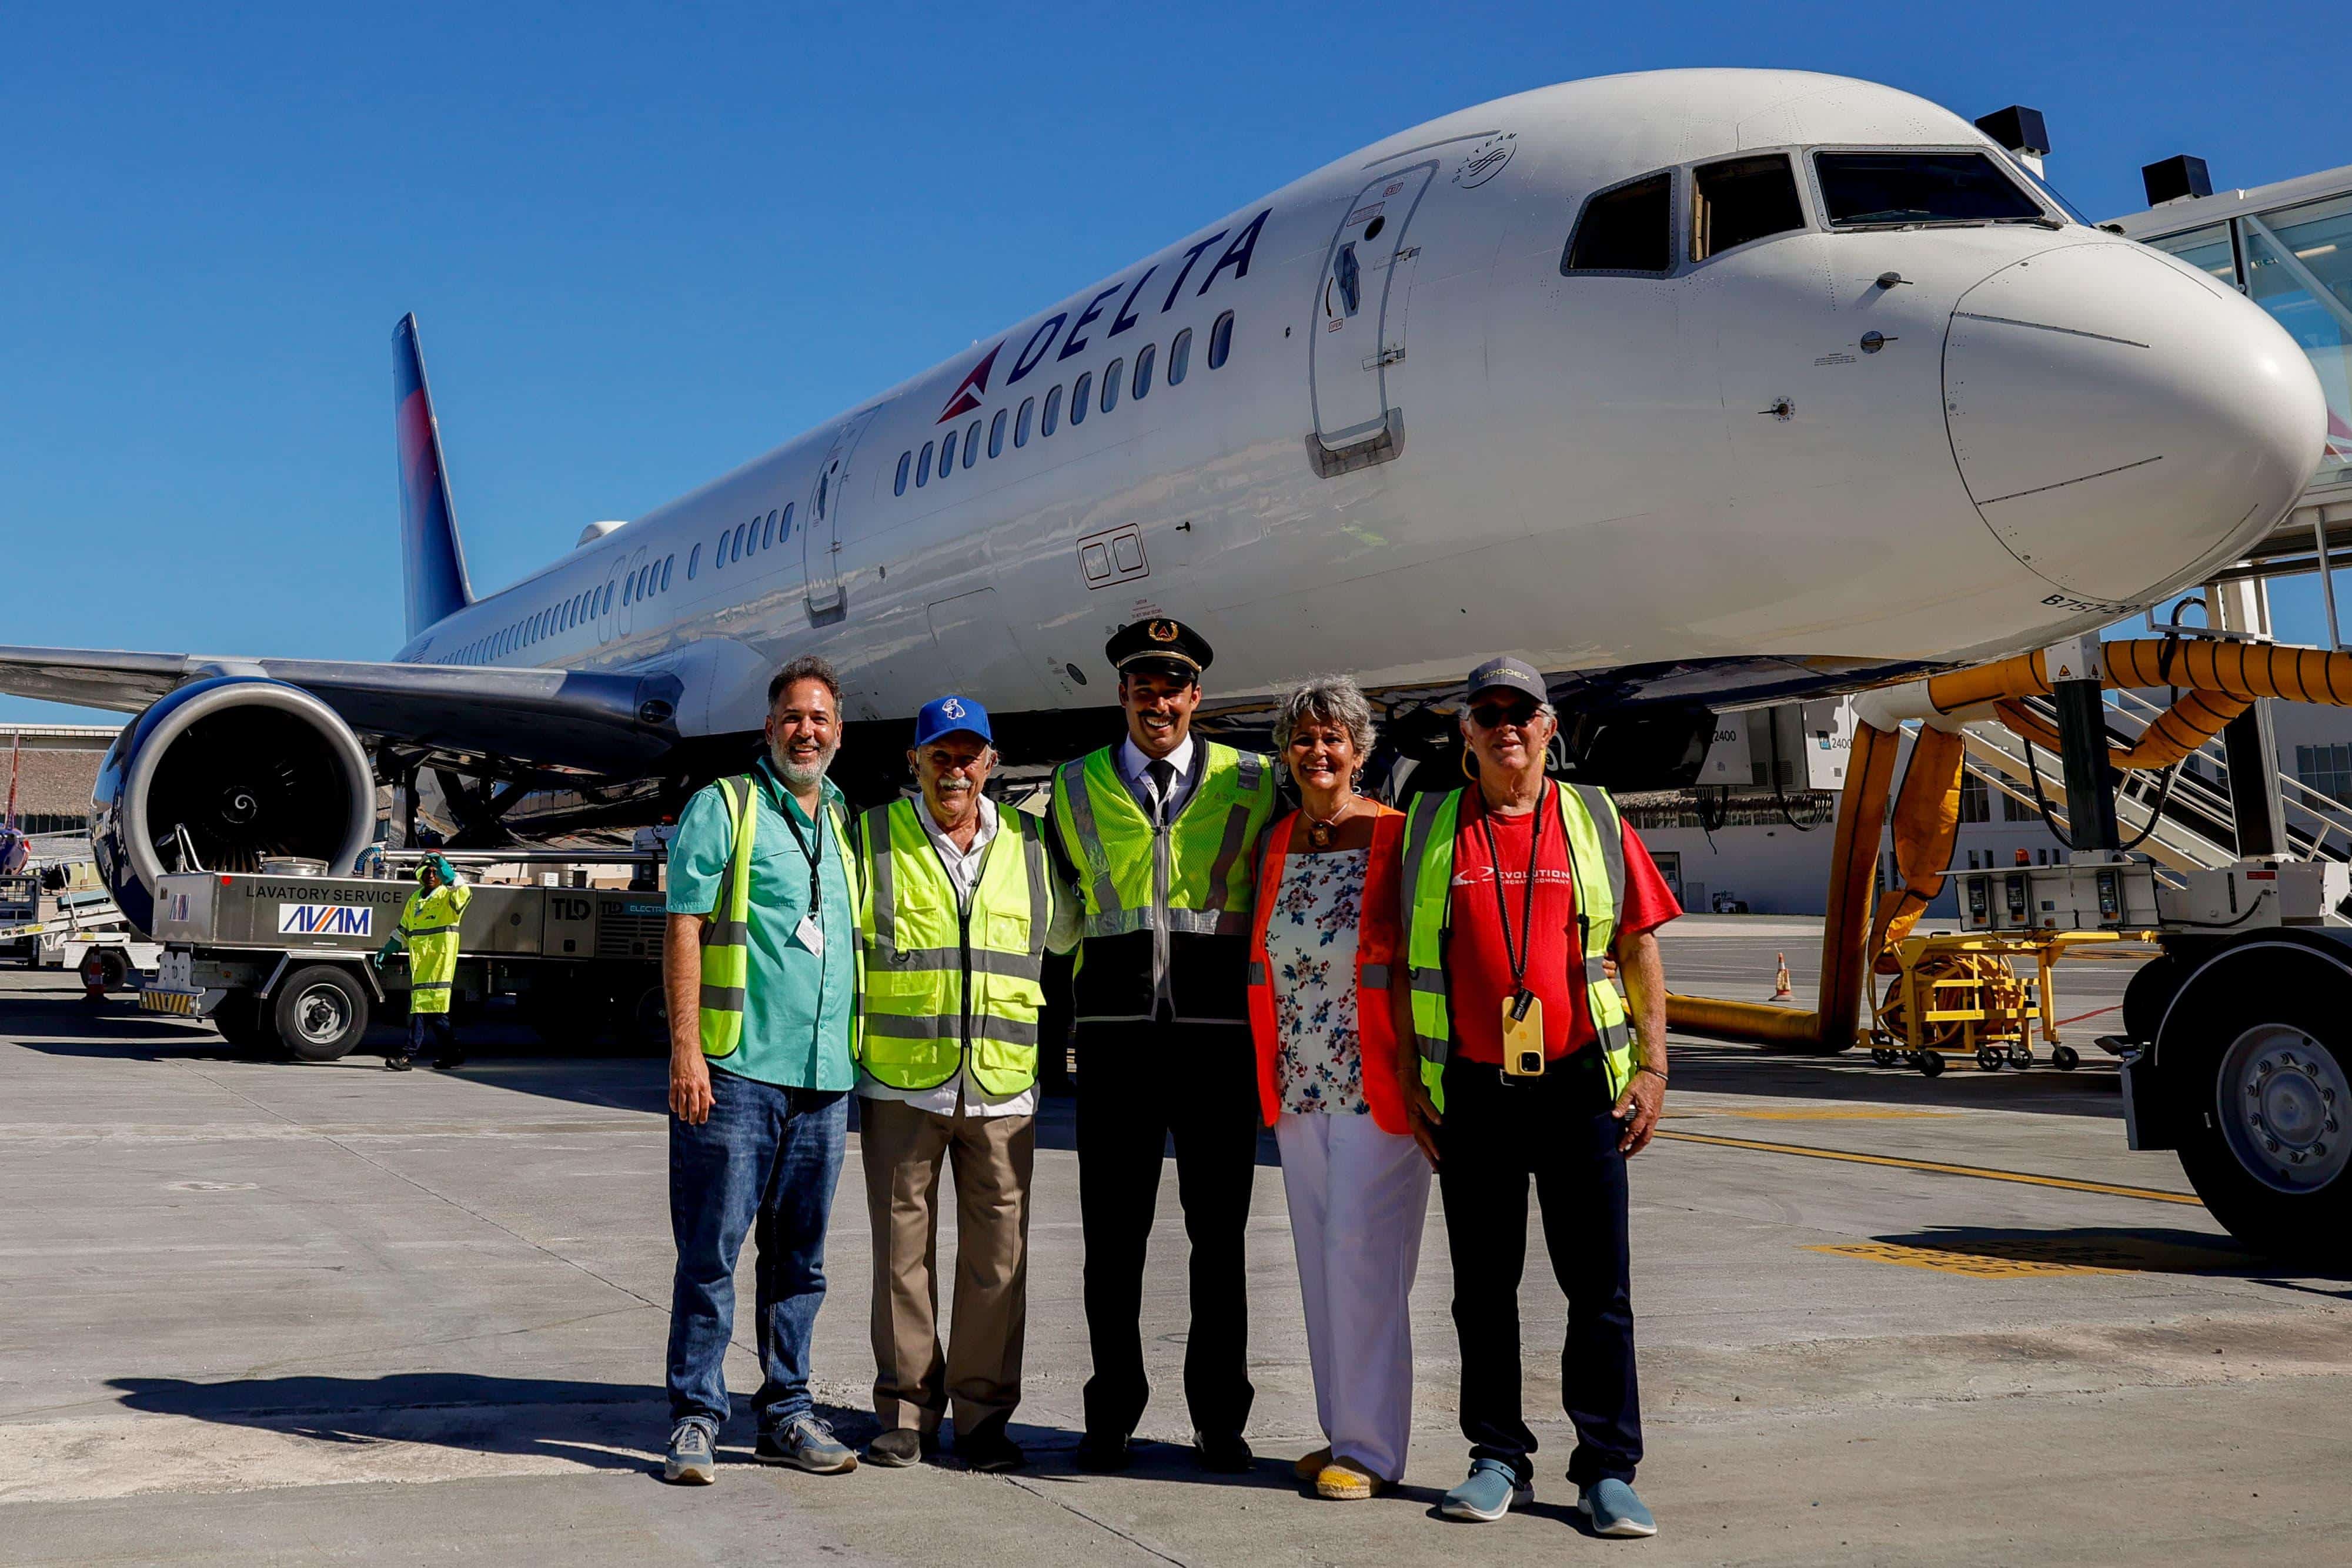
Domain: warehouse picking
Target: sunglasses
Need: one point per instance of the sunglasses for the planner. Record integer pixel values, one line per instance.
(1494, 715)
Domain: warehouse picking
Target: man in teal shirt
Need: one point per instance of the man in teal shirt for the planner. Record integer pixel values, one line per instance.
(759, 1103)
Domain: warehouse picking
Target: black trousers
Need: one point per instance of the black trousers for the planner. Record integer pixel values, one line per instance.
(1139, 1085)
(1558, 1130)
(437, 1026)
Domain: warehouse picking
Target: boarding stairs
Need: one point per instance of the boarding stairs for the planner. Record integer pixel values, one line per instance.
(2192, 822)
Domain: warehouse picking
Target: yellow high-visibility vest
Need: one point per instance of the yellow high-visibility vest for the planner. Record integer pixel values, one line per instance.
(1596, 854)
(428, 929)
(726, 935)
(946, 980)
(1193, 879)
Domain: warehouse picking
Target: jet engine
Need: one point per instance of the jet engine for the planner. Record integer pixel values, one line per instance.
(219, 776)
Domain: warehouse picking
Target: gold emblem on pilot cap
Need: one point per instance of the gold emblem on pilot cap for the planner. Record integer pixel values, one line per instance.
(1161, 632)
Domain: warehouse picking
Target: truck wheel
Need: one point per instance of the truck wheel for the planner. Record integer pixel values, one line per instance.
(2263, 1136)
(238, 1017)
(320, 1012)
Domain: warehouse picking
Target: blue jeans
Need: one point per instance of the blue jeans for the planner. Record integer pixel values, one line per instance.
(767, 1156)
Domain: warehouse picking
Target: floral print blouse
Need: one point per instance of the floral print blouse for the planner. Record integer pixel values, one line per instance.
(1310, 948)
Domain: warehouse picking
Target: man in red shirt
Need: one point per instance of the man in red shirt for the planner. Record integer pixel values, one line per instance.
(1515, 944)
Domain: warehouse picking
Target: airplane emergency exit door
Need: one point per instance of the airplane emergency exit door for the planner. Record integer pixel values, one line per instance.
(1360, 318)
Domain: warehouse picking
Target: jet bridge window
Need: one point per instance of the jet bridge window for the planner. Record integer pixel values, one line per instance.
(1872, 190)
(1629, 229)
(1739, 200)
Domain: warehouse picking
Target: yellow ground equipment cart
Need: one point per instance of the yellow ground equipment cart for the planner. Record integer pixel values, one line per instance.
(1960, 994)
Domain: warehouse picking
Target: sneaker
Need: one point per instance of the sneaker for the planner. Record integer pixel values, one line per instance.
(690, 1461)
(896, 1448)
(397, 1063)
(1309, 1466)
(1490, 1490)
(1345, 1480)
(1223, 1454)
(807, 1444)
(1615, 1509)
(987, 1448)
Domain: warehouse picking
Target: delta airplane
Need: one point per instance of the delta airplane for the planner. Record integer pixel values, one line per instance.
(1698, 389)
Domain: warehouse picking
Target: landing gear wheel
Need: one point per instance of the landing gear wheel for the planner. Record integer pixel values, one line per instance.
(2065, 1058)
(2265, 1142)
(1988, 1059)
(1931, 1064)
(320, 1012)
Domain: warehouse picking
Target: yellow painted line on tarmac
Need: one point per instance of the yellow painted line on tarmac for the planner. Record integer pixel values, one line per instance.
(1938, 1167)
(2033, 1257)
(1834, 1114)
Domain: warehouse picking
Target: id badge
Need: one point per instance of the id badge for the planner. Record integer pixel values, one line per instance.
(1522, 1036)
(810, 934)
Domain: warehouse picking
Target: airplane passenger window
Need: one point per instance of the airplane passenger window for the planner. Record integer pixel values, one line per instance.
(1021, 425)
(693, 563)
(996, 432)
(1221, 340)
(1629, 229)
(628, 589)
(1739, 200)
(1082, 389)
(668, 562)
(971, 444)
(1179, 356)
(947, 453)
(735, 551)
(785, 528)
(1052, 418)
(607, 602)
(923, 467)
(768, 534)
(1869, 190)
(905, 463)
(1143, 387)
(1110, 384)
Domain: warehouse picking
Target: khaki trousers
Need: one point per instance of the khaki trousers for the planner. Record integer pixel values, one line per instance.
(992, 1156)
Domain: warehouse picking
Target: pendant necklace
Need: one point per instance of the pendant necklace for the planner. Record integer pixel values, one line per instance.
(1318, 832)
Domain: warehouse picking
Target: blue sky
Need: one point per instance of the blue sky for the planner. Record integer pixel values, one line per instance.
(644, 244)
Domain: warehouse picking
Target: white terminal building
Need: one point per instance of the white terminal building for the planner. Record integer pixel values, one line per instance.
(1753, 831)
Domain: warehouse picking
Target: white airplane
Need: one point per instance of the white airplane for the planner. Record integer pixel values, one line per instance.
(1697, 389)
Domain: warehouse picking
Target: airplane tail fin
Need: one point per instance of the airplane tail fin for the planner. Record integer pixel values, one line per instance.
(432, 561)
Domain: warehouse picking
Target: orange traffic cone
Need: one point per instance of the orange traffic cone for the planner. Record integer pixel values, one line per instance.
(1781, 991)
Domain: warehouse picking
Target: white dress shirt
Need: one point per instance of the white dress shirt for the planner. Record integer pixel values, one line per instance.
(964, 1092)
(1132, 763)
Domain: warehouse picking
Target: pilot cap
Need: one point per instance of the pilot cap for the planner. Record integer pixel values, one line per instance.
(1159, 645)
(1511, 674)
(948, 714)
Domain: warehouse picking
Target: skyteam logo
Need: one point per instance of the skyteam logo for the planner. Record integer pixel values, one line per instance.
(325, 920)
(975, 387)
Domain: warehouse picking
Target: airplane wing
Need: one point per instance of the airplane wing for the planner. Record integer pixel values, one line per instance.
(614, 724)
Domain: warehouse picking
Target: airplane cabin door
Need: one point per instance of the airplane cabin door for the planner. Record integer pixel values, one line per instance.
(820, 539)
(1359, 319)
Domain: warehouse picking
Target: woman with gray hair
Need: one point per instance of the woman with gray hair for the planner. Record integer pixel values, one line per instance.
(1324, 954)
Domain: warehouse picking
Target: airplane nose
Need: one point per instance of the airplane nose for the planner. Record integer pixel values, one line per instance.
(2120, 423)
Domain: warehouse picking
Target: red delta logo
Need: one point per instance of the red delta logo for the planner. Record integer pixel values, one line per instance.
(974, 388)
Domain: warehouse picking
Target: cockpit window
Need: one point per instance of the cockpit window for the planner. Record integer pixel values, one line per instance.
(1742, 199)
(1629, 229)
(1869, 190)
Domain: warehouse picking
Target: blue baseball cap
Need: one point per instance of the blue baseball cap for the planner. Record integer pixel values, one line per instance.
(945, 716)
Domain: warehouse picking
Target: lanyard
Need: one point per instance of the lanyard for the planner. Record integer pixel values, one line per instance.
(1517, 954)
(816, 857)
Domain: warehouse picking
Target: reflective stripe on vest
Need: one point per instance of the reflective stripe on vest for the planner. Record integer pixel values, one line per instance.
(726, 935)
(1112, 841)
(1596, 854)
(429, 927)
(947, 982)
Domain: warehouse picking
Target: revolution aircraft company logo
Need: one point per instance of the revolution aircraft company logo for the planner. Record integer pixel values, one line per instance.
(325, 920)
(975, 387)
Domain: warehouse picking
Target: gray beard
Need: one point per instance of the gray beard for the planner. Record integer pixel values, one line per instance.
(793, 774)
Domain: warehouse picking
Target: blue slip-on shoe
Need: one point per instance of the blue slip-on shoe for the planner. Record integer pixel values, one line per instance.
(805, 1443)
(690, 1461)
(1615, 1509)
(1489, 1491)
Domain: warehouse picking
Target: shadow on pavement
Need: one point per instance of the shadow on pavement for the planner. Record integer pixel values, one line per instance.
(2013, 1253)
(2094, 1089)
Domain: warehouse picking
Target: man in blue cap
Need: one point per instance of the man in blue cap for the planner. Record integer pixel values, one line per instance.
(956, 914)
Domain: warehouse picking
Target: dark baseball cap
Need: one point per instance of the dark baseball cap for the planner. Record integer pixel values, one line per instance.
(1508, 673)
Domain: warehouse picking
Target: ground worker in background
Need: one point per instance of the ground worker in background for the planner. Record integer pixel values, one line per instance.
(428, 929)
(1156, 838)
(1530, 1066)
(760, 965)
(955, 914)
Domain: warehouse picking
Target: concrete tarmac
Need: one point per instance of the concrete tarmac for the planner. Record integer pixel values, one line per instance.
(256, 1311)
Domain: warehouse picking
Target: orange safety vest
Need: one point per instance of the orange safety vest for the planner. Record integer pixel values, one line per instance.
(1379, 941)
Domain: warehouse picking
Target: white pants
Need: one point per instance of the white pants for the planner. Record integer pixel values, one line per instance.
(1357, 1197)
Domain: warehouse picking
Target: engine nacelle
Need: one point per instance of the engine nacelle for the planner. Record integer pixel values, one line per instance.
(247, 768)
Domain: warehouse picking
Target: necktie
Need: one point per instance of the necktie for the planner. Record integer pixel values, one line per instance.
(1164, 782)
